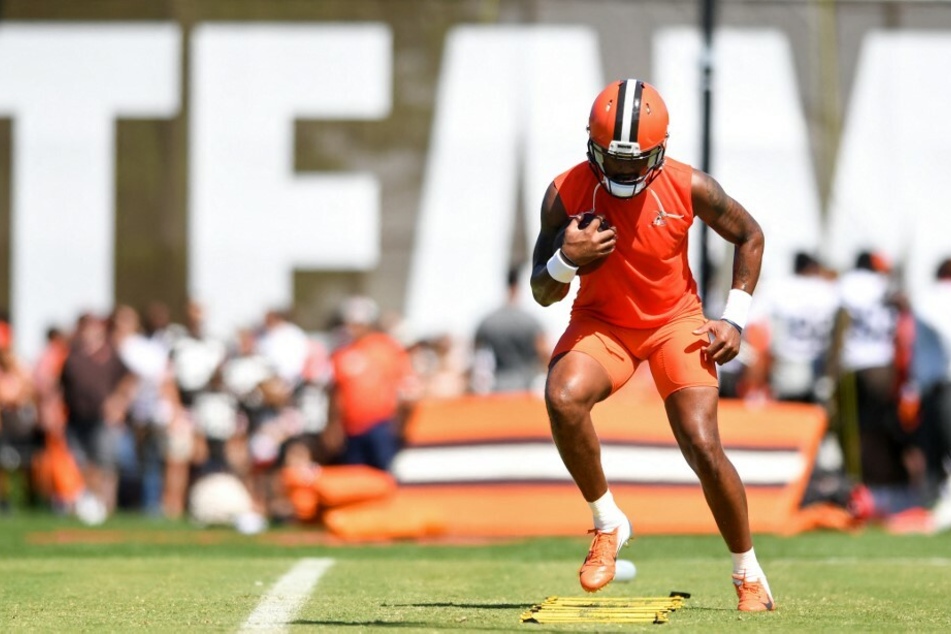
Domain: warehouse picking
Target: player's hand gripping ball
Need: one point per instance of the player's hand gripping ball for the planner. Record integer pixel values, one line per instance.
(586, 219)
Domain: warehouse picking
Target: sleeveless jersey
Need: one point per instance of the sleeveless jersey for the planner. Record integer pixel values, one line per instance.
(647, 279)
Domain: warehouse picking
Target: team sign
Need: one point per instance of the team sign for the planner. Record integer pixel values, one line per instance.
(512, 103)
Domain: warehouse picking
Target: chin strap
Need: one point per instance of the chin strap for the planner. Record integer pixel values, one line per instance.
(594, 195)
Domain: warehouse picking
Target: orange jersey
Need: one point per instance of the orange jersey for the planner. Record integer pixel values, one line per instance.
(647, 279)
(370, 374)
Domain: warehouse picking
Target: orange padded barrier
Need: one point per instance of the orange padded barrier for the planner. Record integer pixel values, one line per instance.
(489, 465)
(310, 488)
(340, 485)
(395, 517)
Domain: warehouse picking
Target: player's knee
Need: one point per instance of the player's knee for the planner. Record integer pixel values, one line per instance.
(703, 454)
(565, 400)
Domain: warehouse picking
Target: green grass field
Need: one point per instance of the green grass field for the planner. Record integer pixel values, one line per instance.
(136, 574)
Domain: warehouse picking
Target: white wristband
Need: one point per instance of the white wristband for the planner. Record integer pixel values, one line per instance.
(737, 308)
(559, 268)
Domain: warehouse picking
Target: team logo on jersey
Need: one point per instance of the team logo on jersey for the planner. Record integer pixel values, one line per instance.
(661, 219)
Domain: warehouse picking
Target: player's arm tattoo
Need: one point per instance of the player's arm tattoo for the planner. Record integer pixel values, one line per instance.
(731, 221)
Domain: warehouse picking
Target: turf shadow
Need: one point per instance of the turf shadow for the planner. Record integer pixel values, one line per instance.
(464, 625)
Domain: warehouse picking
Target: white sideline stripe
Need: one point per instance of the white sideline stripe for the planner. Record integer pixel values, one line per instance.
(284, 599)
(540, 462)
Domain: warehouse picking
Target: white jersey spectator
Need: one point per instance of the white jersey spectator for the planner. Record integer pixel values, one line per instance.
(798, 313)
(148, 359)
(195, 356)
(246, 370)
(286, 347)
(869, 388)
(869, 339)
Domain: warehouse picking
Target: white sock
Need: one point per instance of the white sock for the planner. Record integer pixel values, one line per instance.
(607, 516)
(745, 565)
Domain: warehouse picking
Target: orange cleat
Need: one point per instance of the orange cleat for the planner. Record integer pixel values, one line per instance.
(754, 596)
(598, 568)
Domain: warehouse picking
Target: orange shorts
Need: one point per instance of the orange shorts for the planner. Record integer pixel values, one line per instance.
(672, 351)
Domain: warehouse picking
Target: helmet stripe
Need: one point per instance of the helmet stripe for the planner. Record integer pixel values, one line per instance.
(628, 115)
(620, 110)
(635, 111)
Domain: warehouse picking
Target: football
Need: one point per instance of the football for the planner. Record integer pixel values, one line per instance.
(586, 219)
(589, 216)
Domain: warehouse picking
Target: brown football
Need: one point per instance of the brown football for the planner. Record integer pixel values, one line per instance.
(586, 219)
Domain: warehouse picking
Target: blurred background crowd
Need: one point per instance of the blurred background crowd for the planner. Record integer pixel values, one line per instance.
(853, 343)
(127, 411)
(131, 410)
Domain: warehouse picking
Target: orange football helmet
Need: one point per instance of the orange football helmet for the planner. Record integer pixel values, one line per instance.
(627, 136)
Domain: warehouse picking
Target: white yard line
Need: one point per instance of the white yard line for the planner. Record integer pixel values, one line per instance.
(282, 602)
(836, 561)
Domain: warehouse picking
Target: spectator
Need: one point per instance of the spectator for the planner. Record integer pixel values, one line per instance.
(46, 373)
(56, 475)
(286, 347)
(97, 390)
(158, 325)
(511, 349)
(372, 389)
(19, 435)
(796, 314)
(222, 428)
(195, 356)
(250, 378)
(932, 374)
(153, 405)
(878, 450)
(287, 350)
(311, 400)
(266, 397)
(440, 364)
